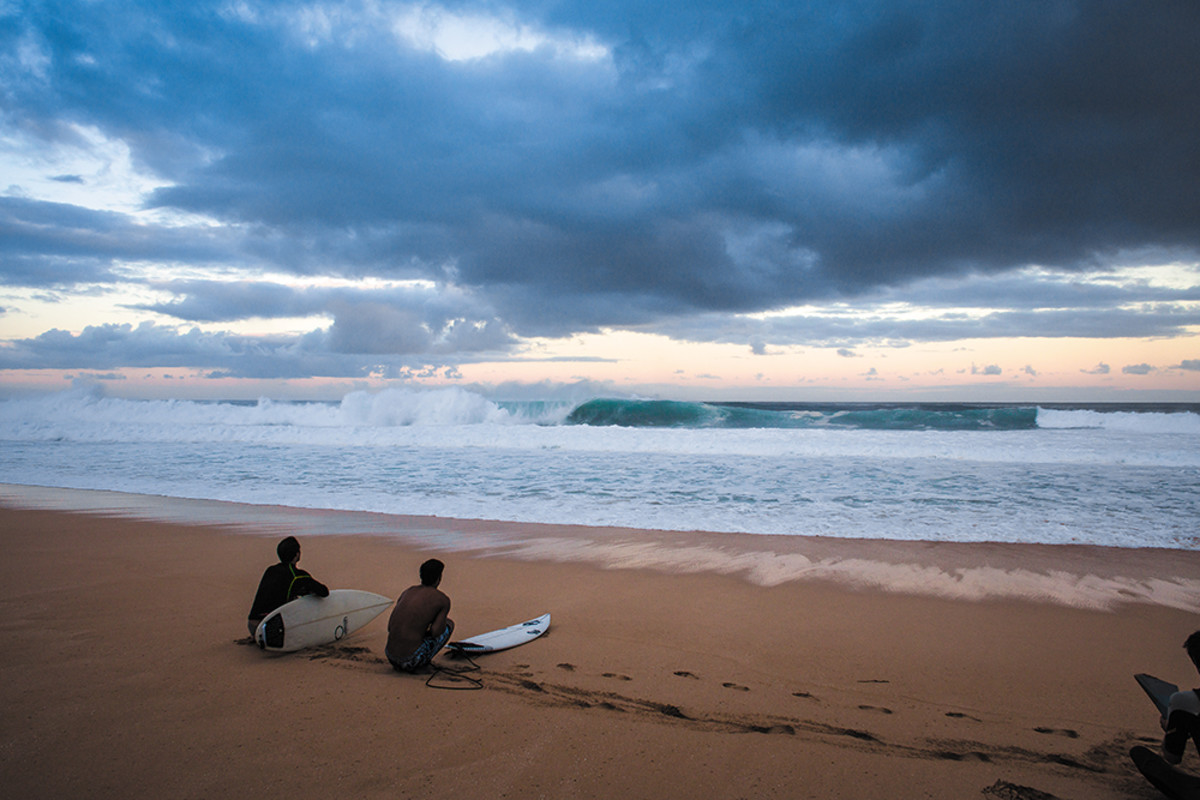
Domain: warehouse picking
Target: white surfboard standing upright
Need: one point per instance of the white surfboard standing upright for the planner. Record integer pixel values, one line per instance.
(503, 638)
(309, 621)
(1158, 690)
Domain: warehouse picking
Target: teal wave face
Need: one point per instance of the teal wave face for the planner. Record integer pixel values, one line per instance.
(676, 414)
(645, 414)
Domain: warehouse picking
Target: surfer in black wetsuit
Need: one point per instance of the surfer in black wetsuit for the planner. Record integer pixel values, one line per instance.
(282, 582)
(1182, 720)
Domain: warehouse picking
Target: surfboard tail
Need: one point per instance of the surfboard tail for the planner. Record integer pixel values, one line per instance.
(271, 633)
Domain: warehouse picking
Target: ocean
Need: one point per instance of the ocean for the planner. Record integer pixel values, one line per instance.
(1124, 475)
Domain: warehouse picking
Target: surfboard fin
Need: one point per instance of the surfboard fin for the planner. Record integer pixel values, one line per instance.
(272, 632)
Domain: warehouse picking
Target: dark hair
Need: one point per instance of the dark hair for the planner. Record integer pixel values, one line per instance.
(287, 549)
(431, 572)
(1192, 645)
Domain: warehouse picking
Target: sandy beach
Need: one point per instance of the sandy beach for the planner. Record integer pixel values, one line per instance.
(127, 672)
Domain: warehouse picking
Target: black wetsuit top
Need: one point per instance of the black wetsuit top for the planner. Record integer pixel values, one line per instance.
(281, 583)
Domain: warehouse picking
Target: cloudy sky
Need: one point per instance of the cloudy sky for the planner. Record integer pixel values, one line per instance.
(777, 200)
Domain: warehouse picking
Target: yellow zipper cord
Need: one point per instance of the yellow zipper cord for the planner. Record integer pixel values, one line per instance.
(295, 577)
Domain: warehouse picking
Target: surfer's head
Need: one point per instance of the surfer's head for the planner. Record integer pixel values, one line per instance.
(1192, 645)
(431, 572)
(288, 549)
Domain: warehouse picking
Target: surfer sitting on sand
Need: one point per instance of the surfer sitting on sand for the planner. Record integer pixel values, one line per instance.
(282, 582)
(1182, 720)
(419, 627)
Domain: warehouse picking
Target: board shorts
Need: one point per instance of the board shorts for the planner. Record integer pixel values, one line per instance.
(424, 653)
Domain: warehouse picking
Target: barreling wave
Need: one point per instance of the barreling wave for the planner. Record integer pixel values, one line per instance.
(673, 414)
(87, 415)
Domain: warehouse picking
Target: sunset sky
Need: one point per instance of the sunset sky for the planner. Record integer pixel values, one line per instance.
(708, 200)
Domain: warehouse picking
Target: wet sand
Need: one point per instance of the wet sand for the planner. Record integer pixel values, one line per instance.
(701, 666)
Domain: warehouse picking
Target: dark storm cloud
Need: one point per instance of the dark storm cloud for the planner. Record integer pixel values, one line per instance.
(50, 244)
(225, 301)
(399, 321)
(1044, 305)
(386, 329)
(228, 355)
(721, 157)
(111, 346)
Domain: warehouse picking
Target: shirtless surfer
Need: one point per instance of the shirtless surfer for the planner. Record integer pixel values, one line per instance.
(419, 625)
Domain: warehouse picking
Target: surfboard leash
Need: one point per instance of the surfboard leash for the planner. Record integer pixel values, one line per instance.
(459, 681)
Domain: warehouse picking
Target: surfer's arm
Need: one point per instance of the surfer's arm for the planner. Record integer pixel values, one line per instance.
(303, 583)
(310, 585)
(439, 620)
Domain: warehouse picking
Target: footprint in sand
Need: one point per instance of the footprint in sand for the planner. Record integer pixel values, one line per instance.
(1015, 791)
(683, 673)
(617, 677)
(879, 709)
(1067, 732)
(805, 695)
(736, 687)
(339, 653)
(567, 667)
(950, 755)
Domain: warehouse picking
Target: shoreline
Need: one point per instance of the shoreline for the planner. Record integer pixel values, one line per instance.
(1075, 575)
(132, 679)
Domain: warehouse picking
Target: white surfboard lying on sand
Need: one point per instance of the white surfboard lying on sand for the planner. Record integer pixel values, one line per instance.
(504, 638)
(310, 620)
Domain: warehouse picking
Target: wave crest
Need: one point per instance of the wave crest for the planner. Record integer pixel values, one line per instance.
(674, 414)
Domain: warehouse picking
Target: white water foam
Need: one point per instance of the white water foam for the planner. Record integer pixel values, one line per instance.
(767, 568)
(1147, 422)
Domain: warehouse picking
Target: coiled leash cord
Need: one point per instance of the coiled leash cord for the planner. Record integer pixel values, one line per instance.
(456, 679)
